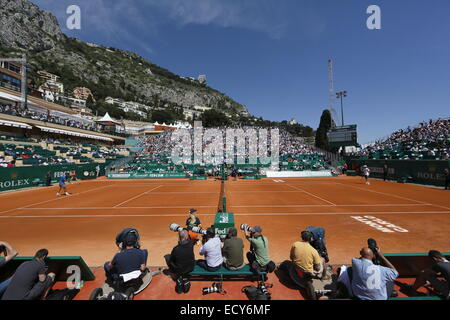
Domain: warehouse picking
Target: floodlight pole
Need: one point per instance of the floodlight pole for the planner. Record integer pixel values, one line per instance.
(341, 95)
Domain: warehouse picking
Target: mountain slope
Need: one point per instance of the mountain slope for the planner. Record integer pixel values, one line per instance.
(24, 28)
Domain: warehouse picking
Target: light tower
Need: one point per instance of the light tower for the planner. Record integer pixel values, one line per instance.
(331, 92)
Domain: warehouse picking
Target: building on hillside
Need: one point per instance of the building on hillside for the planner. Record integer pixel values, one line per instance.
(202, 108)
(114, 101)
(11, 76)
(51, 88)
(82, 93)
(202, 79)
(48, 76)
(293, 121)
(190, 114)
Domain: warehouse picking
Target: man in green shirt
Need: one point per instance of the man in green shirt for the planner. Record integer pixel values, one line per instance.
(258, 257)
(233, 251)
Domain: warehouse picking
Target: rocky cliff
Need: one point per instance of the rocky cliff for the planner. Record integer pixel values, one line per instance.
(24, 28)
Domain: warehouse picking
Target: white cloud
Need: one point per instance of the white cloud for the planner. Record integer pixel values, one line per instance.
(258, 15)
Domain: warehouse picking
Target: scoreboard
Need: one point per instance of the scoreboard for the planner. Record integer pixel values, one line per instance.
(343, 136)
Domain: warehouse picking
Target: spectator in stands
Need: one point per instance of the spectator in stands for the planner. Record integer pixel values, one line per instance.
(447, 179)
(30, 280)
(130, 261)
(181, 261)
(307, 258)
(212, 251)
(8, 253)
(233, 251)
(367, 281)
(440, 268)
(258, 257)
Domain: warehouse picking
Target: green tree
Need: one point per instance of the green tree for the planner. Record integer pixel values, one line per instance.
(324, 127)
(213, 118)
(162, 116)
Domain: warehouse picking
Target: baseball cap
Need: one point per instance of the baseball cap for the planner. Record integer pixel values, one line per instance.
(192, 211)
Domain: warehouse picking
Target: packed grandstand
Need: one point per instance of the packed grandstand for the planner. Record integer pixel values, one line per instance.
(428, 141)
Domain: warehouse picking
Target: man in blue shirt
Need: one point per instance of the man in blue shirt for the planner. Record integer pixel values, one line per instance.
(62, 186)
(370, 281)
(129, 260)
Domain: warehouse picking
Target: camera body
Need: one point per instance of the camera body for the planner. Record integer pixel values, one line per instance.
(372, 244)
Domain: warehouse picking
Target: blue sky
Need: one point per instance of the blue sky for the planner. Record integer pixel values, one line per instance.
(271, 55)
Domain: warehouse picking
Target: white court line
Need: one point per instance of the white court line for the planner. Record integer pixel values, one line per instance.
(59, 198)
(328, 205)
(118, 208)
(312, 195)
(250, 206)
(393, 195)
(236, 214)
(139, 195)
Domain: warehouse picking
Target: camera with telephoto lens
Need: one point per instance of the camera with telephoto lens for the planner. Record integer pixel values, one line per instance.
(246, 227)
(216, 287)
(372, 244)
(198, 230)
(263, 288)
(176, 228)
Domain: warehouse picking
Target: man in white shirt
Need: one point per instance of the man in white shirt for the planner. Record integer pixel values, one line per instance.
(366, 173)
(212, 250)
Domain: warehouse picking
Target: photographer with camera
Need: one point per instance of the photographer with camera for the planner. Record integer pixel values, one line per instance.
(8, 253)
(233, 251)
(130, 261)
(438, 276)
(181, 261)
(368, 281)
(30, 281)
(212, 250)
(258, 257)
(307, 258)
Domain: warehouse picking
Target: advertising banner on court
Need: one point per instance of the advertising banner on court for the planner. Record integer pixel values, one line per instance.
(168, 175)
(428, 172)
(25, 177)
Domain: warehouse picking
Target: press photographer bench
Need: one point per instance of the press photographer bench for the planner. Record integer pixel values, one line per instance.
(199, 273)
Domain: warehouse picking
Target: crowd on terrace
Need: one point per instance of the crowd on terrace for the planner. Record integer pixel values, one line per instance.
(429, 140)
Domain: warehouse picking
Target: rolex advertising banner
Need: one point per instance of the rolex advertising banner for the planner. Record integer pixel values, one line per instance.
(25, 177)
(429, 172)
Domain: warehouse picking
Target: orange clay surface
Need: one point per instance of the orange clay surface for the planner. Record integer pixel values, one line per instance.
(86, 223)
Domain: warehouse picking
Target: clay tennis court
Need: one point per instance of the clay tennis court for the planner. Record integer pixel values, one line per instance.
(86, 223)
